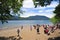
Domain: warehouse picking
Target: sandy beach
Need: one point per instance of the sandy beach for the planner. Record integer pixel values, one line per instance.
(27, 34)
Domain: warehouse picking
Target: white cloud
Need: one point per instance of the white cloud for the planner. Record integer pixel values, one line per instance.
(45, 11)
(50, 15)
(39, 7)
(40, 11)
(27, 14)
(23, 9)
(53, 4)
(50, 10)
(28, 4)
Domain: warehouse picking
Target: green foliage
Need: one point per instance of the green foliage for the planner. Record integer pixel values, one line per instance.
(42, 2)
(6, 5)
(57, 16)
(54, 20)
(57, 12)
(47, 2)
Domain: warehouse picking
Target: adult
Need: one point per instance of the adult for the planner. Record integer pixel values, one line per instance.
(38, 29)
(18, 31)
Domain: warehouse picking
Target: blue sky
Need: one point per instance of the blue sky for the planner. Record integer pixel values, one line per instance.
(29, 9)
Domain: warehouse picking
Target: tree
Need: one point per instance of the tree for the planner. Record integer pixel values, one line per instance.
(6, 5)
(42, 2)
(57, 12)
(47, 2)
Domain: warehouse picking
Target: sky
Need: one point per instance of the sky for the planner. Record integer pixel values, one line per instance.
(29, 10)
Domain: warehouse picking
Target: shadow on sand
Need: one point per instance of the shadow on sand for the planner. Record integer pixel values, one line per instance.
(55, 38)
(10, 38)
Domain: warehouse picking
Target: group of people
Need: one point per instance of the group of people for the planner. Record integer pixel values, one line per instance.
(37, 28)
(47, 28)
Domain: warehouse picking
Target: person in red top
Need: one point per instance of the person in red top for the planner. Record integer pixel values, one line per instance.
(46, 31)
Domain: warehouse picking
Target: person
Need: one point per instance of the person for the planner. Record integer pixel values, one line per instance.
(58, 26)
(31, 28)
(52, 29)
(45, 26)
(21, 27)
(34, 26)
(38, 30)
(18, 31)
(38, 25)
(46, 31)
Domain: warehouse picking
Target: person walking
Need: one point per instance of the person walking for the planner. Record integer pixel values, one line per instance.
(18, 31)
(38, 29)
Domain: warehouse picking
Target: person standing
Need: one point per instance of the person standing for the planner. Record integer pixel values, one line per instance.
(38, 29)
(31, 28)
(34, 26)
(21, 27)
(18, 31)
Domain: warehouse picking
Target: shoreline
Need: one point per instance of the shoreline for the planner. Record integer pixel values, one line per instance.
(17, 26)
(27, 34)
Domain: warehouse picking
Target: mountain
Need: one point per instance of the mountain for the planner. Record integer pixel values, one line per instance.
(37, 17)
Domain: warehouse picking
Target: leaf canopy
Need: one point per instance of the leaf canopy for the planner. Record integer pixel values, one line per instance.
(6, 5)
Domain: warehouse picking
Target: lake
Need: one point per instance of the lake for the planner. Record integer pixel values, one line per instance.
(16, 23)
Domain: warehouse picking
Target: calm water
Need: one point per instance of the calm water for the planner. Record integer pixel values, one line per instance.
(16, 23)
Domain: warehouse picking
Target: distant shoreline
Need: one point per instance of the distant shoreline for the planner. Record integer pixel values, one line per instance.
(27, 19)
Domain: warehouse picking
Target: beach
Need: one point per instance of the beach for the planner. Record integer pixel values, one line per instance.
(27, 33)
